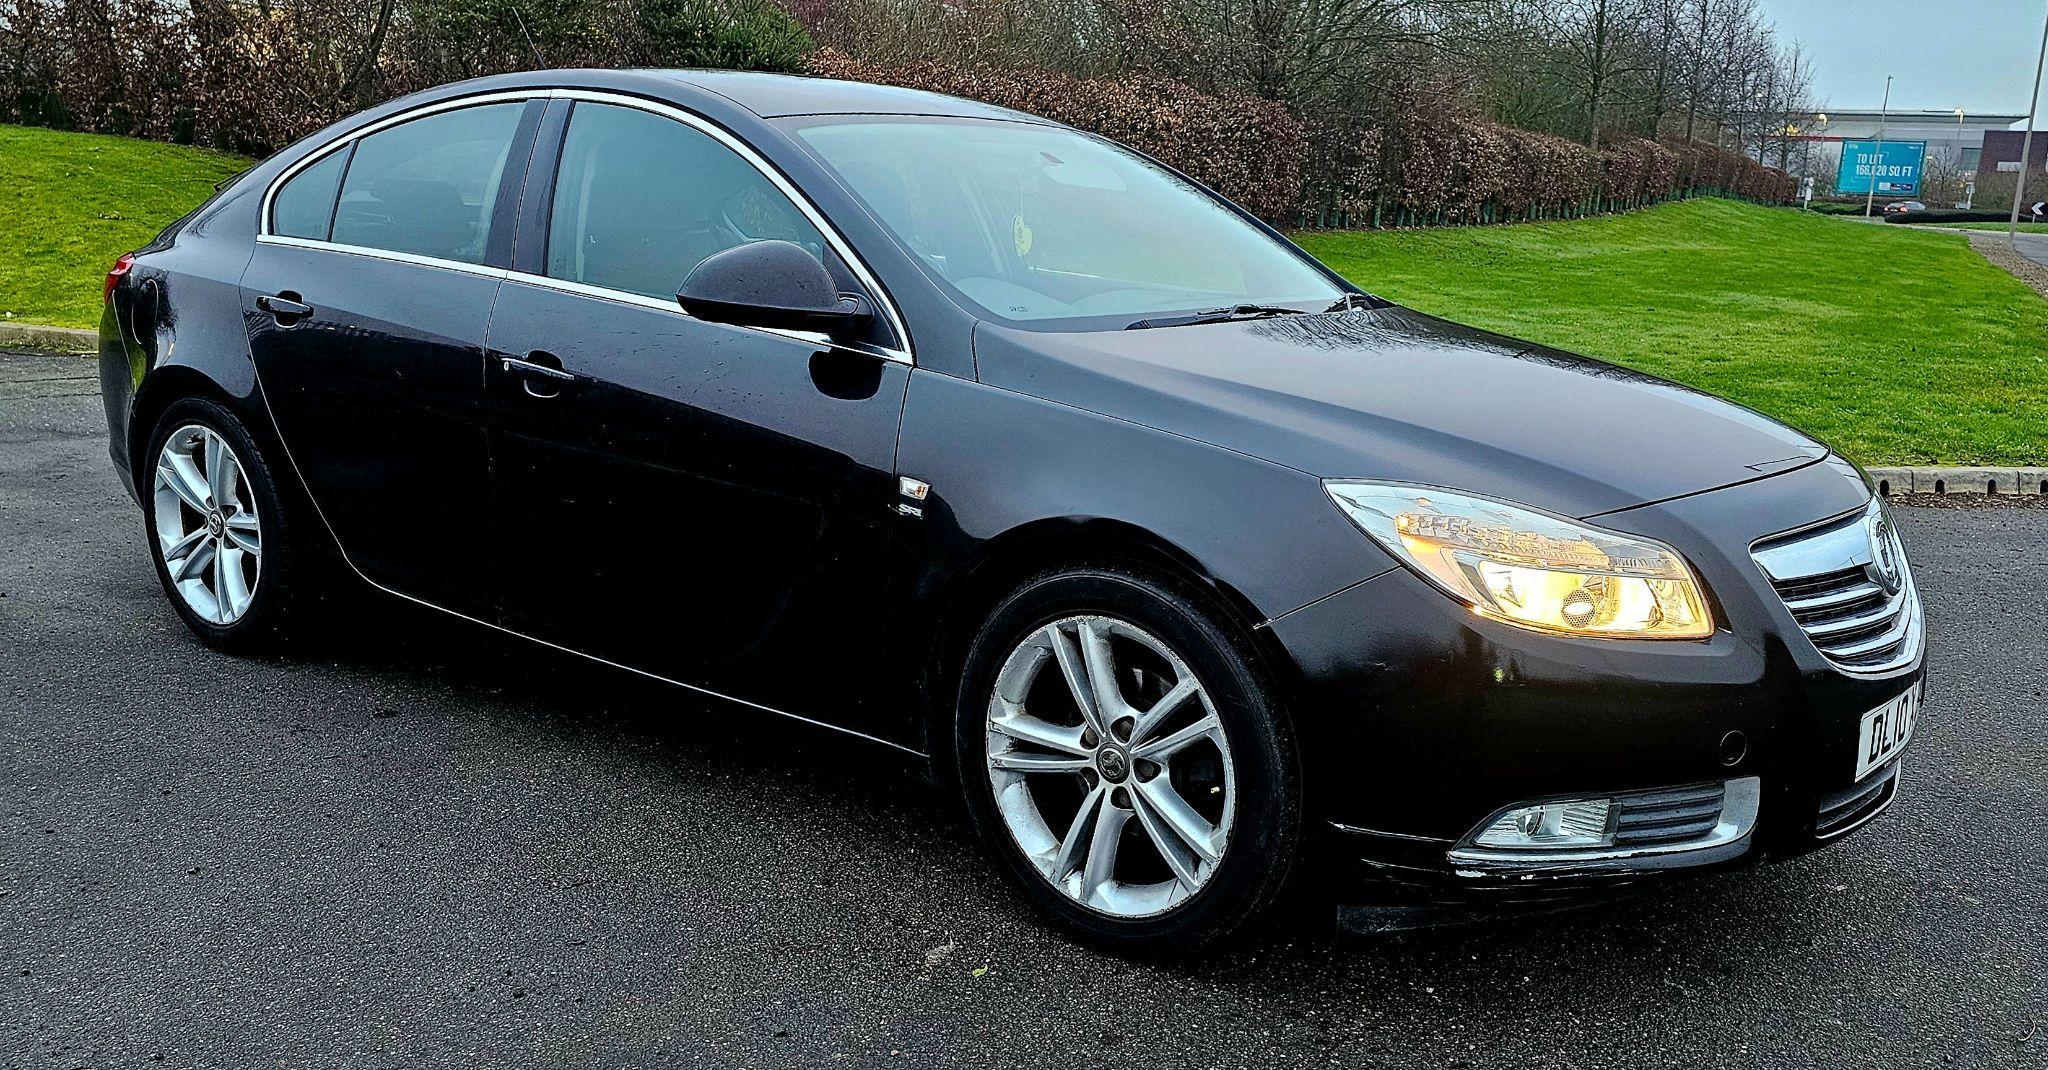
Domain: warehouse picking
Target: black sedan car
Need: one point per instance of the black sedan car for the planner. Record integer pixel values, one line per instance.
(973, 436)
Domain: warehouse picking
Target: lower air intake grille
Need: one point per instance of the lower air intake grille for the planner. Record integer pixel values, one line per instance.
(1674, 816)
(1847, 809)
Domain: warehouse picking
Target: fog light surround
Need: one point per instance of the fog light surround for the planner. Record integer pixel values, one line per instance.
(1630, 831)
(1569, 824)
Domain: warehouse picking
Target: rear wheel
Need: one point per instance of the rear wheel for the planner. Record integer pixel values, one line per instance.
(1123, 756)
(217, 527)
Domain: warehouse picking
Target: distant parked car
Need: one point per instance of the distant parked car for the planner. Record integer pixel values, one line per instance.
(994, 443)
(1904, 207)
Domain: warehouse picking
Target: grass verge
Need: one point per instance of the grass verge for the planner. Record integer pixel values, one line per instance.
(1895, 346)
(71, 203)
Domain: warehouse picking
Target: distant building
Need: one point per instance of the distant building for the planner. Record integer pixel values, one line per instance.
(1998, 171)
(1956, 140)
(2002, 155)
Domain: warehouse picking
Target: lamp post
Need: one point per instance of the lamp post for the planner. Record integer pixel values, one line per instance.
(1957, 162)
(1877, 164)
(2019, 186)
(1806, 164)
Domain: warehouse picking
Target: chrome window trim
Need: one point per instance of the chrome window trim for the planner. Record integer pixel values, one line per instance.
(745, 152)
(463, 266)
(263, 229)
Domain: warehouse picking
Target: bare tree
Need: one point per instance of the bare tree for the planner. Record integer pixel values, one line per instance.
(1597, 52)
(1710, 34)
(1306, 54)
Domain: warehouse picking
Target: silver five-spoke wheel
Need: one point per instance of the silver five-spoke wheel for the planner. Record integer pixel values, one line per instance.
(207, 531)
(1110, 766)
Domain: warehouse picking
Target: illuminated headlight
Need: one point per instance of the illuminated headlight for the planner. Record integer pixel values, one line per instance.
(1529, 568)
(1581, 823)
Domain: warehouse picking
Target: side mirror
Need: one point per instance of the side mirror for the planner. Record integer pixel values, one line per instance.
(768, 284)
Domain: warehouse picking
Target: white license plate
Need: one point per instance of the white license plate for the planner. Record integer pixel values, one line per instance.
(1885, 730)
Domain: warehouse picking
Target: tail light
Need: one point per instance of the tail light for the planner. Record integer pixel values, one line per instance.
(114, 276)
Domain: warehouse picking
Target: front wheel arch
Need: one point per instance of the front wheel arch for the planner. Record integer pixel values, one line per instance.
(973, 591)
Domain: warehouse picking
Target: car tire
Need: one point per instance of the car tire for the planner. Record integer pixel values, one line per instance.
(227, 502)
(1240, 780)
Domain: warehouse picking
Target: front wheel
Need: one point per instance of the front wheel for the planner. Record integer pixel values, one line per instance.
(217, 527)
(1124, 757)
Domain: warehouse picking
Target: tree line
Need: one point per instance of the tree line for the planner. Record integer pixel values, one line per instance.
(1587, 70)
(1406, 111)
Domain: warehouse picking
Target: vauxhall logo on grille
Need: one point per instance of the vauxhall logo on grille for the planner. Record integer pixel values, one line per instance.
(1884, 556)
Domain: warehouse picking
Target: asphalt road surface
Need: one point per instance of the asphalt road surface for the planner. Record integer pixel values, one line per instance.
(2033, 246)
(425, 845)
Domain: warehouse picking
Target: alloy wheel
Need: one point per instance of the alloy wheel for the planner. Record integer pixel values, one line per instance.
(207, 531)
(1110, 766)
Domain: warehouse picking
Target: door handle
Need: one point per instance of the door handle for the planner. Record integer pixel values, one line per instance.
(285, 307)
(540, 373)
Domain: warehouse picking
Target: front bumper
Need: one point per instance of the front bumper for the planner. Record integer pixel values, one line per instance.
(1425, 721)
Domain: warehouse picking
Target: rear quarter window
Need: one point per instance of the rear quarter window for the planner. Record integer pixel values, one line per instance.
(304, 206)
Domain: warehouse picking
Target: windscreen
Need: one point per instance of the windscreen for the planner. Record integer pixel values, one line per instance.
(1046, 227)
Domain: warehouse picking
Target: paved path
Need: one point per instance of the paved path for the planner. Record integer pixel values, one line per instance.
(432, 848)
(2034, 247)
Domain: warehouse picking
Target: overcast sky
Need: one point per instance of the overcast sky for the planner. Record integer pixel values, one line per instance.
(1975, 54)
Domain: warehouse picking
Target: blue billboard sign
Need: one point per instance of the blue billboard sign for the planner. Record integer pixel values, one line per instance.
(1889, 168)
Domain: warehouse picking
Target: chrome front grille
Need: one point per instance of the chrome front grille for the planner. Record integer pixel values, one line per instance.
(1848, 586)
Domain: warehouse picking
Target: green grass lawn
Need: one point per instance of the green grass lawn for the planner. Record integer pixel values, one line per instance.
(1895, 346)
(71, 203)
(2029, 228)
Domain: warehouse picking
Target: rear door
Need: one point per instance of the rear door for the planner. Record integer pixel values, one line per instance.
(704, 502)
(367, 300)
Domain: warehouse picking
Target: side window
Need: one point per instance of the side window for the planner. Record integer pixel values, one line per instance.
(641, 200)
(304, 206)
(428, 186)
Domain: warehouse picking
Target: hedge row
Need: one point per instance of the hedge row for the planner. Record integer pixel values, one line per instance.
(1248, 149)
(1426, 168)
(252, 77)
(1461, 169)
(1965, 215)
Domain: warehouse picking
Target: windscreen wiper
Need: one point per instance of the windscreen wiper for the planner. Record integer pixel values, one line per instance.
(1351, 301)
(1216, 315)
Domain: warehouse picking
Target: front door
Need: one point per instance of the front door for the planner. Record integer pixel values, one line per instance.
(367, 316)
(703, 502)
